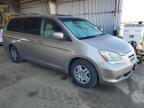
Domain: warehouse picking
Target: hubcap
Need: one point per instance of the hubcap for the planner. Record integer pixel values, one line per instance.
(14, 54)
(82, 74)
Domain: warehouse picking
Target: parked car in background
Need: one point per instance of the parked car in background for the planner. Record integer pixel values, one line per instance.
(73, 45)
(1, 37)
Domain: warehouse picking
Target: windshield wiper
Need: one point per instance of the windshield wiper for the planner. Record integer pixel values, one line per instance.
(87, 37)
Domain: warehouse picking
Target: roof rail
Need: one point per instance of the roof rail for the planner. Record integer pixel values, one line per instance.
(39, 14)
(61, 15)
(31, 14)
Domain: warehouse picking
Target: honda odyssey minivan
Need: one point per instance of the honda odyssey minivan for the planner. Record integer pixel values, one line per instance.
(70, 44)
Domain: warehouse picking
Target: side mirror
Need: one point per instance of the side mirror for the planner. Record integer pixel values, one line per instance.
(58, 35)
(101, 28)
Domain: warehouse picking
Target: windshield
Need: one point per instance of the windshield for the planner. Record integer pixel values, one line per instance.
(82, 29)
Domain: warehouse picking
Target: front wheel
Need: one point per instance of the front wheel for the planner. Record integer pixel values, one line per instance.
(83, 73)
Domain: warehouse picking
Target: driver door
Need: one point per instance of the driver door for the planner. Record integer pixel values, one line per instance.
(53, 50)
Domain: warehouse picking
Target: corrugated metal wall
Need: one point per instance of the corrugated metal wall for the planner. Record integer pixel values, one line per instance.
(37, 6)
(99, 12)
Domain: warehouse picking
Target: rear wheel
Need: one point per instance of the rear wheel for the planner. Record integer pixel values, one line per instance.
(83, 73)
(15, 56)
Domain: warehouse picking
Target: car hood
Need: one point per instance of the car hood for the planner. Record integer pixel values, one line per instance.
(109, 43)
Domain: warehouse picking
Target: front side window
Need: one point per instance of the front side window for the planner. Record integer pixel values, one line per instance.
(32, 26)
(82, 29)
(50, 27)
(14, 25)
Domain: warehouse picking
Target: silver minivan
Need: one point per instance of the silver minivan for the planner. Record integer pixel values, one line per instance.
(70, 44)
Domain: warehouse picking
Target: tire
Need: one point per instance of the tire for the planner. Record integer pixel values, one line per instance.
(83, 73)
(15, 56)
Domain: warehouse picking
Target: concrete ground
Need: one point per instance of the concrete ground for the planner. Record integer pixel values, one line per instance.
(27, 85)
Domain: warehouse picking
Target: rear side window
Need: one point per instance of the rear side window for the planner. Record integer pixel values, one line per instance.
(14, 25)
(32, 25)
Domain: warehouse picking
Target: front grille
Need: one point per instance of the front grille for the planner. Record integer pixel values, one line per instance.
(126, 74)
(132, 57)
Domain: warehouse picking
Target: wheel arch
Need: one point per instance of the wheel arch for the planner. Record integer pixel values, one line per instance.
(90, 61)
(10, 46)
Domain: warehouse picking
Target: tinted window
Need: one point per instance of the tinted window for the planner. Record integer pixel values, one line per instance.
(50, 27)
(32, 26)
(14, 25)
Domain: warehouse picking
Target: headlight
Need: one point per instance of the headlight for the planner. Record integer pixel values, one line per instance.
(111, 57)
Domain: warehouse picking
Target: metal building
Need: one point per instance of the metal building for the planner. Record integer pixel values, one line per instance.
(28, 6)
(106, 13)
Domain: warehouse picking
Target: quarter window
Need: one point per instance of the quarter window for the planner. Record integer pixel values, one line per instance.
(32, 26)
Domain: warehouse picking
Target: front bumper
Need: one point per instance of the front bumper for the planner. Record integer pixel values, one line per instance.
(117, 72)
(114, 75)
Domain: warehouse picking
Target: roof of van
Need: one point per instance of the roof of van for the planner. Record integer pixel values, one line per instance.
(43, 15)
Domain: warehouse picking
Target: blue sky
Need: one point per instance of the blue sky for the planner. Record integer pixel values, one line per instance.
(133, 10)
